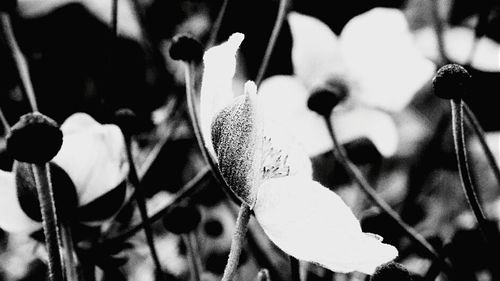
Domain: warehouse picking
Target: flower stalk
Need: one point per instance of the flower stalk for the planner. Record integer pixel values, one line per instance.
(195, 264)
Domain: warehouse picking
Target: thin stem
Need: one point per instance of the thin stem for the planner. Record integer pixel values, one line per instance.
(114, 18)
(185, 192)
(237, 242)
(70, 261)
(217, 24)
(195, 264)
(5, 123)
(357, 176)
(294, 269)
(463, 165)
(20, 61)
(49, 217)
(439, 30)
(282, 12)
(193, 114)
(141, 204)
(478, 130)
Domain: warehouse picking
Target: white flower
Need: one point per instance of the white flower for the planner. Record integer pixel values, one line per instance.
(94, 157)
(374, 57)
(271, 173)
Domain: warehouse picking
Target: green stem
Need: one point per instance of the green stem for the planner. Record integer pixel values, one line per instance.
(282, 12)
(237, 242)
(463, 165)
(49, 217)
(357, 176)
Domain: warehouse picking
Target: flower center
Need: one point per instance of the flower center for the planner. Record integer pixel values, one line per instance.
(274, 162)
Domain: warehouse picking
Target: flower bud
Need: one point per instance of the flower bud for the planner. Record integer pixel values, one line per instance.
(452, 81)
(64, 191)
(186, 48)
(391, 271)
(35, 138)
(182, 219)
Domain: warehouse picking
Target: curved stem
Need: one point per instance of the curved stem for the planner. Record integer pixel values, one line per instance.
(237, 242)
(70, 260)
(50, 222)
(463, 165)
(357, 176)
(20, 61)
(195, 264)
(478, 130)
(141, 204)
(217, 24)
(185, 192)
(282, 12)
(193, 114)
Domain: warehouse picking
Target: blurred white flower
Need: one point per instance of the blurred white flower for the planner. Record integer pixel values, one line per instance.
(271, 173)
(375, 58)
(94, 157)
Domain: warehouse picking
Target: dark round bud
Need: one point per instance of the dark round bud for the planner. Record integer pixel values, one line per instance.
(65, 197)
(8, 6)
(324, 99)
(35, 138)
(391, 271)
(186, 48)
(128, 122)
(182, 219)
(452, 81)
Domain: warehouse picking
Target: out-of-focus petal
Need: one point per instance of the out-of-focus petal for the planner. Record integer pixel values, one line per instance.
(315, 51)
(12, 217)
(94, 156)
(458, 45)
(376, 125)
(312, 223)
(128, 24)
(380, 54)
(217, 82)
(237, 136)
(284, 99)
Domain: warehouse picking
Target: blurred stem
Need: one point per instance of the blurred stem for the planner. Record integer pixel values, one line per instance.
(50, 222)
(141, 204)
(439, 30)
(19, 60)
(237, 242)
(217, 24)
(190, 188)
(294, 269)
(463, 165)
(280, 18)
(195, 264)
(114, 18)
(70, 260)
(478, 130)
(357, 176)
(5, 123)
(193, 114)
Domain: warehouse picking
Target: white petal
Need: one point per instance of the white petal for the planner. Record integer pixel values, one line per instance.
(458, 44)
(128, 24)
(381, 55)
(312, 223)
(315, 51)
(376, 125)
(94, 156)
(217, 82)
(284, 100)
(493, 141)
(12, 217)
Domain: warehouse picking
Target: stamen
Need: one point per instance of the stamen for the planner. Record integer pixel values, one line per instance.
(275, 161)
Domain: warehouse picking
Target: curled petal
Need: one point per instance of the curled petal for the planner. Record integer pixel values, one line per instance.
(217, 82)
(284, 99)
(12, 217)
(93, 155)
(381, 55)
(312, 223)
(375, 125)
(237, 139)
(315, 52)
(458, 45)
